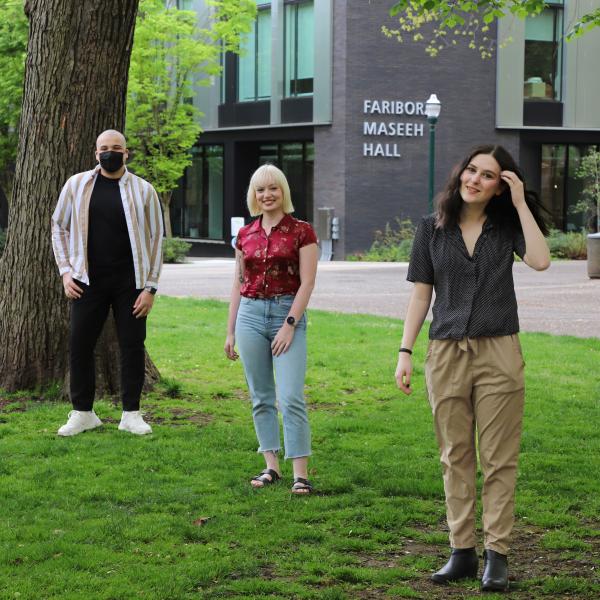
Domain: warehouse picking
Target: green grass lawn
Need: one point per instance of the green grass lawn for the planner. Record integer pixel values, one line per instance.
(109, 515)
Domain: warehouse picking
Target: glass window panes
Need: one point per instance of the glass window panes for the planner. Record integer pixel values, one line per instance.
(254, 62)
(543, 54)
(553, 175)
(299, 49)
(197, 207)
(561, 188)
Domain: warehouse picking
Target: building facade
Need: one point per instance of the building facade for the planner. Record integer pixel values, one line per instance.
(322, 93)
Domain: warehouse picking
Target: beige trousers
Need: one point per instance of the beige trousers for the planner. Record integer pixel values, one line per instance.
(477, 385)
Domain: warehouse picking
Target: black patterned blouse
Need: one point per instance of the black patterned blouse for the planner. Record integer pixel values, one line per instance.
(474, 296)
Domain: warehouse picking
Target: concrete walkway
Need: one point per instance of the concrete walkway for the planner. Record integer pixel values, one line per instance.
(561, 300)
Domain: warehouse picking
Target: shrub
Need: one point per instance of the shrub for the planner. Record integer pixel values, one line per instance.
(175, 250)
(2, 240)
(571, 245)
(393, 244)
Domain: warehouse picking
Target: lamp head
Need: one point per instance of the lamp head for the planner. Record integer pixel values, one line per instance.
(433, 107)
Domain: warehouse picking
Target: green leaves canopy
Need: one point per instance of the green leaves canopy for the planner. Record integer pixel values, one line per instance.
(13, 50)
(468, 18)
(170, 55)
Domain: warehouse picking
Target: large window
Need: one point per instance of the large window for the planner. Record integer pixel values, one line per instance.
(296, 160)
(299, 48)
(561, 189)
(543, 54)
(197, 210)
(254, 63)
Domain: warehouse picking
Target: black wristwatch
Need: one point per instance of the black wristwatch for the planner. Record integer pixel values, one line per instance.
(150, 289)
(291, 321)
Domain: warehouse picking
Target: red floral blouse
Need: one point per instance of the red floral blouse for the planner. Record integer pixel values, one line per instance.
(272, 263)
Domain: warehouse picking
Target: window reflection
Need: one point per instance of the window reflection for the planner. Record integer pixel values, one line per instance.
(543, 54)
(197, 207)
(299, 48)
(254, 62)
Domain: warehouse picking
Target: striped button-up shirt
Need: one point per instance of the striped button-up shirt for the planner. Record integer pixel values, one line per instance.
(144, 223)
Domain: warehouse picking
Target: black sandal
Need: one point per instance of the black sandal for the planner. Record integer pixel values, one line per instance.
(304, 489)
(265, 480)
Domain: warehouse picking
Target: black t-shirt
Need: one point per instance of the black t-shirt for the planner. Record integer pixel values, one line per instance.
(474, 296)
(108, 238)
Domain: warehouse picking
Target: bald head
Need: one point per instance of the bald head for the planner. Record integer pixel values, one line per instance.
(111, 137)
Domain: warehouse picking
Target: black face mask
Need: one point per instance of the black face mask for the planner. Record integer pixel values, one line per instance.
(111, 161)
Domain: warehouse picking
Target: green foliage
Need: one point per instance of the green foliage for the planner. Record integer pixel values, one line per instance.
(391, 244)
(171, 54)
(108, 515)
(571, 245)
(13, 49)
(589, 202)
(175, 250)
(468, 20)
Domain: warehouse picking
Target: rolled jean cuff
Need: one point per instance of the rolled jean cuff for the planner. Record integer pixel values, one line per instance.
(303, 455)
(274, 450)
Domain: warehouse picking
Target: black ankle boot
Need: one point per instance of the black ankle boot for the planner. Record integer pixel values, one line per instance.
(495, 572)
(463, 564)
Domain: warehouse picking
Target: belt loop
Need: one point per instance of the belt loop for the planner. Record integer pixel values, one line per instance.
(463, 344)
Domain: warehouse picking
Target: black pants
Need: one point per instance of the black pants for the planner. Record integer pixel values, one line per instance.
(108, 288)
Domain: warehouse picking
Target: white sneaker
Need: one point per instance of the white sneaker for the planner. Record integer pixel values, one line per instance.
(132, 421)
(80, 420)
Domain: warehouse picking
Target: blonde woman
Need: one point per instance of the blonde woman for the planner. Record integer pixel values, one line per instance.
(275, 270)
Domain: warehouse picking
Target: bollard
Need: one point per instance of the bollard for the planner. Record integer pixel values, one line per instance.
(593, 255)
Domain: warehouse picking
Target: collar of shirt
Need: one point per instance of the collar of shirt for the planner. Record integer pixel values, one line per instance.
(456, 237)
(94, 173)
(256, 226)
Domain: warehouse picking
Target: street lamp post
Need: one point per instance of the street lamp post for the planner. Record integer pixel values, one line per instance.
(432, 109)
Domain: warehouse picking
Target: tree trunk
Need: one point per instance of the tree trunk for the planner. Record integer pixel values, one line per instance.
(6, 182)
(75, 87)
(165, 200)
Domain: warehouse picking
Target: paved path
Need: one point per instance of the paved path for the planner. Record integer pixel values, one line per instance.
(560, 300)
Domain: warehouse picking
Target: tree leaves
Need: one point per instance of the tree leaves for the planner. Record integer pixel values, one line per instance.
(172, 54)
(469, 19)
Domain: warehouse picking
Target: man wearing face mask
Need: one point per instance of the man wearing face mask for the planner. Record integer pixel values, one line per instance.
(107, 237)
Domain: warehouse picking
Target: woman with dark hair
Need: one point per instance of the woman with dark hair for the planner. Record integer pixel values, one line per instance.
(474, 364)
(276, 265)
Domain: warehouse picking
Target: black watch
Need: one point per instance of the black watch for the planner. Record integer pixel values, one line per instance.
(291, 321)
(150, 289)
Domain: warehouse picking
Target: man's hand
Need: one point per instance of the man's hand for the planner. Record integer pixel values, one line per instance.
(143, 305)
(72, 290)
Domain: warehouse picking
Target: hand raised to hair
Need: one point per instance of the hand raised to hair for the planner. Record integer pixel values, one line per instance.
(517, 189)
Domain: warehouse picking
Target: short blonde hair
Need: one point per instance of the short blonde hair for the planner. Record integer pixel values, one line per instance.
(265, 175)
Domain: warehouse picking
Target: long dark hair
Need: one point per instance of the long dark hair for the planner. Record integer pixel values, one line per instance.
(500, 209)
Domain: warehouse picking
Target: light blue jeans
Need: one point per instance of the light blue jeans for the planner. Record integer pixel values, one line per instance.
(257, 324)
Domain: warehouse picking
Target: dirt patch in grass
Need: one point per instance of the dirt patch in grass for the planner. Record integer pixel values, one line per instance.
(9, 405)
(179, 416)
(530, 564)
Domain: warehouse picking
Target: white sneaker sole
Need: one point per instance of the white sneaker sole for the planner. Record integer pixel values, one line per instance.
(134, 432)
(72, 433)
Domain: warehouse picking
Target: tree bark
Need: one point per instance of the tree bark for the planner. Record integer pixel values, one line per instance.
(165, 200)
(75, 87)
